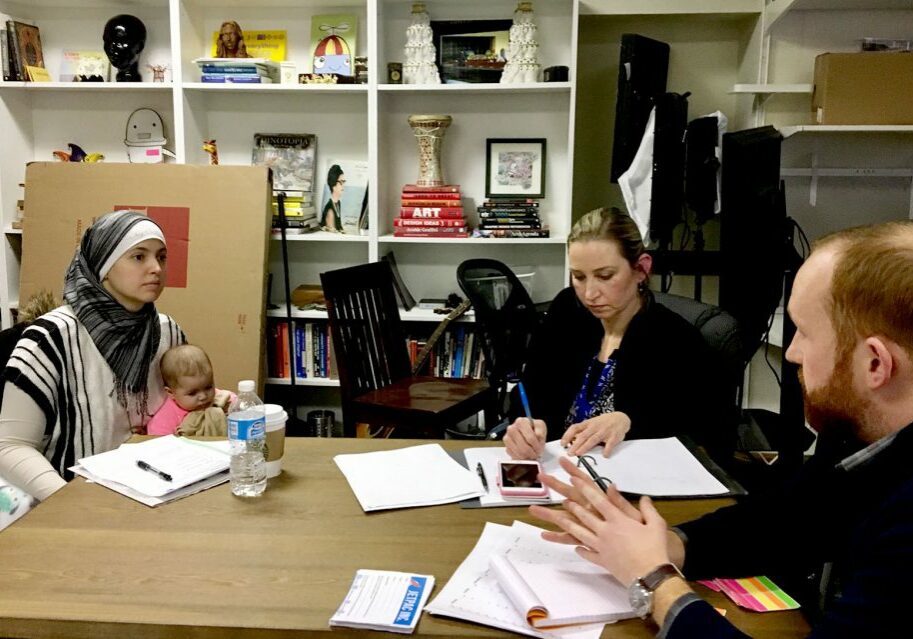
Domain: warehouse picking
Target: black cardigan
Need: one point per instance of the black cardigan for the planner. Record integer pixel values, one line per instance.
(664, 377)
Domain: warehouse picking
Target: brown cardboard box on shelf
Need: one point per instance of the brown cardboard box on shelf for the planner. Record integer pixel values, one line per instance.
(216, 221)
(863, 88)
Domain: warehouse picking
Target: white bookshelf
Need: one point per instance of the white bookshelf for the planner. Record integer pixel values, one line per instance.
(352, 122)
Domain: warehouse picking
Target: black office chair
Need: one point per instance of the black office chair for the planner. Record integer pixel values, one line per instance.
(505, 320)
(722, 333)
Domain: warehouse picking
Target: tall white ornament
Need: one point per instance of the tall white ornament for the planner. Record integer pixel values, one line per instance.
(523, 48)
(420, 66)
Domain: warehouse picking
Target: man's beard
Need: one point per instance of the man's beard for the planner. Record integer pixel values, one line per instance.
(836, 409)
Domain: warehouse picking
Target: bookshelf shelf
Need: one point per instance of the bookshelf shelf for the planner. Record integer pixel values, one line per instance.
(325, 382)
(321, 236)
(789, 131)
(276, 88)
(538, 87)
(471, 240)
(103, 87)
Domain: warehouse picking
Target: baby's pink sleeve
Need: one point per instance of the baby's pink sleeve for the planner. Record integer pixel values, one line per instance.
(165, 421)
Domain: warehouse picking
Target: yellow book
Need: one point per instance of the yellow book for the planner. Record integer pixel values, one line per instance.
(38, 74)
(256, 44)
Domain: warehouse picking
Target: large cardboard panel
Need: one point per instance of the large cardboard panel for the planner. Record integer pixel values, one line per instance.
(871, 87)
(216, 221)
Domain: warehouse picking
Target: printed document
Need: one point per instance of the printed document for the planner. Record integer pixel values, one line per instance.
(192, 465)
(473, 593)
(406, 477)
(384, 600)
(655, 467)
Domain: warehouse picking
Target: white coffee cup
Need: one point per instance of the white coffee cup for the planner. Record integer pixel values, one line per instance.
(276, 418)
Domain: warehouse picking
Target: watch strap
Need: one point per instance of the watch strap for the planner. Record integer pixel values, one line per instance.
(652, 580)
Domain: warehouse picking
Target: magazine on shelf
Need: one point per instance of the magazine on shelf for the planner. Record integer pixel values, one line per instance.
(350, 200)
(291, 156)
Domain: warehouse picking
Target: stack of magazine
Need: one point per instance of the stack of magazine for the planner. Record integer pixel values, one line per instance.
(292, 158)
(238, 70)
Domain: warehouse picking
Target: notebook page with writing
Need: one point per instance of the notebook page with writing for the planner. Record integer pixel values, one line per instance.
(474, 594)
(558, 594)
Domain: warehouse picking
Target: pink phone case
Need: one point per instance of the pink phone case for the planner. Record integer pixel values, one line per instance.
(516, 491)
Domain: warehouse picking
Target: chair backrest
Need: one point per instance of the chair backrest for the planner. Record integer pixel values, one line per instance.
(720, 330)
(368, 338)
(505, 315)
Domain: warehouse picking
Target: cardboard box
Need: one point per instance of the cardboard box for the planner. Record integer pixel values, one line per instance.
(216, 221)
(863, 88)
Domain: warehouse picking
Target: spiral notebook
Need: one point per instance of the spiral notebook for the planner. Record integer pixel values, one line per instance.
(555, 594)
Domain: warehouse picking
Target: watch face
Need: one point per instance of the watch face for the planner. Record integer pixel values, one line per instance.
(641, 599)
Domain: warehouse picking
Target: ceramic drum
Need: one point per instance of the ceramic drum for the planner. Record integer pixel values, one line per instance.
(429, 132)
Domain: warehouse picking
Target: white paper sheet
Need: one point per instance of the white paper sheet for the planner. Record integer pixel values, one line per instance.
(414, 476)
(656, 467)
(186, 461)
(474, 594)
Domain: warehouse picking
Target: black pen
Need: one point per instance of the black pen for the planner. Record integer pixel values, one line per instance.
(481, 473)
(153, 470)
(600, 481)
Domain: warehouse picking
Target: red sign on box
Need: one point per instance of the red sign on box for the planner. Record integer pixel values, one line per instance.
(175, 223)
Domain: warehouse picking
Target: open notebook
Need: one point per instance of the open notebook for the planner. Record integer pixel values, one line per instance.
(553, 594)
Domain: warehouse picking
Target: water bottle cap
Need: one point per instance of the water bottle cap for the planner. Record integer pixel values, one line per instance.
(246, 386)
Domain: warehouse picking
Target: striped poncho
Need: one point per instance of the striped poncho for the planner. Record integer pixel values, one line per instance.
(58, 365)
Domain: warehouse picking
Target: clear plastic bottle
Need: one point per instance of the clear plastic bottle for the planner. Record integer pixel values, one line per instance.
(247, 439)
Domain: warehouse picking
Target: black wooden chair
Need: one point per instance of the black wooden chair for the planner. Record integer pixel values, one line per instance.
(376, 382)
(505, 319)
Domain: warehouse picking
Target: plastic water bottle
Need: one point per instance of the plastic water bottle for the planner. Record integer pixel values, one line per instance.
(247, 438)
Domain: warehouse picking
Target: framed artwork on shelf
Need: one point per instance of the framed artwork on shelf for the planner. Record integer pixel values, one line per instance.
(470, 50)
(515, 167)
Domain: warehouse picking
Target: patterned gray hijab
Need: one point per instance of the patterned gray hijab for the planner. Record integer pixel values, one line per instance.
(128, 341)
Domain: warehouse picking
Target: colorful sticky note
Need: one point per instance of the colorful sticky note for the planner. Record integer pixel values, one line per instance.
(754, 593)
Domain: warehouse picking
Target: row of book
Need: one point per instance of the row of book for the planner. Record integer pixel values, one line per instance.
(456, 354)
(238, 70)
(510, 218)
(313, 349)
(21, 56)
(431, 211)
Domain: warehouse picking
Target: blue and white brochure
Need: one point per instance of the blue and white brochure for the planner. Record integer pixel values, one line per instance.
(384, 600)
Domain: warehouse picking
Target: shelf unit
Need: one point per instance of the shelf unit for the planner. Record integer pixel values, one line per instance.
(352, 122)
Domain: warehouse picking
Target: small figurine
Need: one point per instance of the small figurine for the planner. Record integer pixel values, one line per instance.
(125, 38)
(158, 71)
(231, 41)
(210, 147)
(145, 138)
(94, 157)
(63, 156)
(76, 153)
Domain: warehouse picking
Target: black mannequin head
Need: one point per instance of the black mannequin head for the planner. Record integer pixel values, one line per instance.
(125, 37)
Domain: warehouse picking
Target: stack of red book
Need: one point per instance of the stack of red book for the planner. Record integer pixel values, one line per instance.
(431, 211)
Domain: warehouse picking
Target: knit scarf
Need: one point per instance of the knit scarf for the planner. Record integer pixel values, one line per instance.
(127, 341)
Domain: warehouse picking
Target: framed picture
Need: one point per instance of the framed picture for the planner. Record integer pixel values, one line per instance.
(470, 50)
(515, 167)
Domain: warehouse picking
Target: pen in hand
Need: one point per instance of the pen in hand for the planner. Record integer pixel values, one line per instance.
(481, 473)
(151, 469)
(525, 400)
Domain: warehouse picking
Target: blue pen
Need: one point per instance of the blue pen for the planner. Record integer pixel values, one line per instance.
(525, 400)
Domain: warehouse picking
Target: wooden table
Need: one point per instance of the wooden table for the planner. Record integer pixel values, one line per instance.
(91, 563)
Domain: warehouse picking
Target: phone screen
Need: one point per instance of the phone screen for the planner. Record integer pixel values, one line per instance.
(520, 475)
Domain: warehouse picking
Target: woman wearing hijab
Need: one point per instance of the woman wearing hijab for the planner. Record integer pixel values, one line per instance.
(85, 377)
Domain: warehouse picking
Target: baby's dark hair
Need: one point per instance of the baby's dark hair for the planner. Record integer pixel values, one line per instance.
(182, 361)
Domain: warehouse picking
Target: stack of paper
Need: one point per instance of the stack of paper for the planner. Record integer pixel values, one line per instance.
(191, 465)
(655, 467)
(415, 476)
(475, 594)
(384, 600)
(559, 594)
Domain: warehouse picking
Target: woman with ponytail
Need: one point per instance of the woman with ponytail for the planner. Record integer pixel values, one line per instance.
(85, 377)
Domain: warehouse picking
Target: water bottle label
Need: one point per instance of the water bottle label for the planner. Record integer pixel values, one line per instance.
(244, 429)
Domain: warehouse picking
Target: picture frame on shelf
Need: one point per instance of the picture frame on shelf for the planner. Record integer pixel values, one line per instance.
(515, 167)
(344, 195)
(470, 51)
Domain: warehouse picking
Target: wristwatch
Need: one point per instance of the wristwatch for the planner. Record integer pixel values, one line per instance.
(640, 593)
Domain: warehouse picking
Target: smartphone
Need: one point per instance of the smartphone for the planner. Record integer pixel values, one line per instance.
(520, 479)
